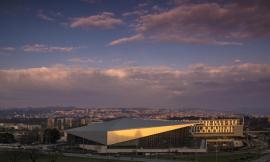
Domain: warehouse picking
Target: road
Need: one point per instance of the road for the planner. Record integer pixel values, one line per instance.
(265, 158)
(121, 158)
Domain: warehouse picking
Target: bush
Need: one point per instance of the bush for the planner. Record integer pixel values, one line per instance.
(6, 138)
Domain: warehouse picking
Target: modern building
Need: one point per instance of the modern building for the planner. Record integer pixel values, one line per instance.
(222, 133)
(135, 135)
(218, 128)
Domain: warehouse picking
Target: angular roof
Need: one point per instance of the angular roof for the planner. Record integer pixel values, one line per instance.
(126, 123)
(111, 132)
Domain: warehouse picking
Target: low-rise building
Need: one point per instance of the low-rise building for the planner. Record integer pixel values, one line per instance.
(218, 128)
(219, 133)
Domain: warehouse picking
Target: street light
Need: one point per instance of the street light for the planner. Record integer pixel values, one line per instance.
(216, 146)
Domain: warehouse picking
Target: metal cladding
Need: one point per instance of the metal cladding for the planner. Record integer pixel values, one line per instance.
(121, 130)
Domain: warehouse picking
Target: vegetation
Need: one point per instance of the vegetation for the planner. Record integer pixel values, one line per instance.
(220, 158)
(33, 155)
(257, 123)
(12, 156)
(29, 137)
(6, 138)
(29, 156)
(51, 135)
(52, 157)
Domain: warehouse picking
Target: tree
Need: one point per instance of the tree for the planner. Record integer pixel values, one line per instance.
(33, 155)
(51, 135)
(14, 156)
(53, 156)
(6, 138)
(29, 137)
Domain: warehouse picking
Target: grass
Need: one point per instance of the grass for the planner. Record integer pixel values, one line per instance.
(24, 157)
(221, 158)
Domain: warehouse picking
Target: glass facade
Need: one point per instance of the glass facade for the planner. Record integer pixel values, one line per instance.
(171, 139)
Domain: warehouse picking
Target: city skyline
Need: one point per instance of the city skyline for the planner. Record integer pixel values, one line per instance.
(164, 54)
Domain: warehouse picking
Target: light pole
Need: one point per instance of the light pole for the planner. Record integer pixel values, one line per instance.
(136, 151)
(83, 145)
(196, 159)
(216, 152)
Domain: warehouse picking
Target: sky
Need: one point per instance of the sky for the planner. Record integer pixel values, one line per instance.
(136, 53)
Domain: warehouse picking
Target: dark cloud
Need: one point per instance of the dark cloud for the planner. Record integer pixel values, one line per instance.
(7, 50)
(207, 22)
(200, 85)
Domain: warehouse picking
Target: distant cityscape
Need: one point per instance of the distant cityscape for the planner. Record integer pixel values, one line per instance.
(100, 114)
(69, 129)
(69, 117)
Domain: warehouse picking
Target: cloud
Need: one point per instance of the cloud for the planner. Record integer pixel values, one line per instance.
(91, 1)
(7, 49)
(84, 60)
(105, 20)
(230, 23)
(42, 16)
(136, 37)
(41, 48)
(218, 87)
(237, 61)
(135, 13)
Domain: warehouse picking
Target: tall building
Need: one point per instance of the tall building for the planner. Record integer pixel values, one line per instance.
(85, 121)
(51, 123)
(86, 111)
(60, 124)
(68, 122)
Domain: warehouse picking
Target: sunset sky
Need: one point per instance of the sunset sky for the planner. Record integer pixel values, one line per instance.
(135, 53)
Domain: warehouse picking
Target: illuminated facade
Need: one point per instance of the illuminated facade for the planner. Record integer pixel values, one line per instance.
(218, 128)
(128, 134)
(219, 133)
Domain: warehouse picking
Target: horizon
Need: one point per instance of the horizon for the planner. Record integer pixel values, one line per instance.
(242, 111)
(161, 54)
